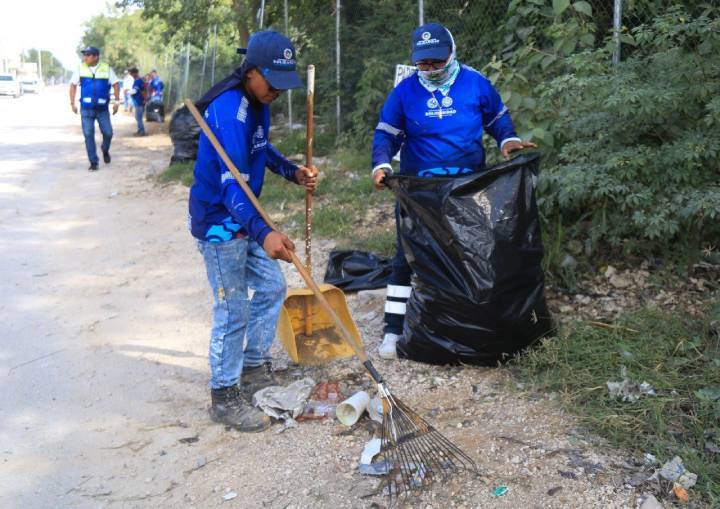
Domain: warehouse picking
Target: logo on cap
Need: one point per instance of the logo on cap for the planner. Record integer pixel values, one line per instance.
(426, 36)
(287, 53)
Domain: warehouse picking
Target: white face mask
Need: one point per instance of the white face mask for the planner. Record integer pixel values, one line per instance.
(439, 77)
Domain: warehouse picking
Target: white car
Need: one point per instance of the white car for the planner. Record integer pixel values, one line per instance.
(33, 85)
(9, 85)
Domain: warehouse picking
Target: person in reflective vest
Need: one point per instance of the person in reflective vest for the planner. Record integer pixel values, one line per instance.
(436, 117)
(95, 79)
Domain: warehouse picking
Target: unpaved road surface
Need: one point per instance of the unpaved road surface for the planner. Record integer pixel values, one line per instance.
(104, 319)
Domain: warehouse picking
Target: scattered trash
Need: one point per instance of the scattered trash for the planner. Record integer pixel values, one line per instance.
(567, 475)
(322, 403)
(284, 402)
(638, 479)
(189, 440)
(675, 471)
(287, 424)
(681, 493)
(552, 491)
(650, 459)
(375, 410)
(379, 468)
(650, 502)
(372, 449)
(499, 491)
(629, 390)
(229, 495)
(349, 411)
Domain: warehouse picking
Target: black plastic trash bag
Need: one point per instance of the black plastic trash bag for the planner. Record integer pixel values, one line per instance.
(475, 248)
(357, 270)
(184, 133)
(155, 111)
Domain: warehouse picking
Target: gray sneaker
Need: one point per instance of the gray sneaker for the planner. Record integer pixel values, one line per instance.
(229, 408)
(255, 378)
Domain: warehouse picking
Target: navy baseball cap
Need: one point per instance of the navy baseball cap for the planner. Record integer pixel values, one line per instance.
(274, 56)
(431, 41)
(90, 50)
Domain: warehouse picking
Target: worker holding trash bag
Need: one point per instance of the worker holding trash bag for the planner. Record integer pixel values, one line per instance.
(239, 248)
(436, 118)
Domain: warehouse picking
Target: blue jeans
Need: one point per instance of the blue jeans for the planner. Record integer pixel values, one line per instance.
(233, 267)
(88, 117)
(139, 110)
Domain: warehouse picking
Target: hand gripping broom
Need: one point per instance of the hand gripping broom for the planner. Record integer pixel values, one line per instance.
(414, 452)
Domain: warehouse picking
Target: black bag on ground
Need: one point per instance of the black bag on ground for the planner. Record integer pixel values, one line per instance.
(475, 248)
(184, 133)
(155, 111)
(357, 270)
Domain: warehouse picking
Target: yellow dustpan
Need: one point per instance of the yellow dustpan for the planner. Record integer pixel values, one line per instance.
(307, 331)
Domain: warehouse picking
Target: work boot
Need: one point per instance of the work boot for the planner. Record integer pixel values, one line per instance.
(229, 408)
(93, 167)
(106, 157)
(255, 378)
(388, 348)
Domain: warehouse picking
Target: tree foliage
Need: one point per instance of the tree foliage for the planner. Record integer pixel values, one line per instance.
(632, 153)
(51, 66)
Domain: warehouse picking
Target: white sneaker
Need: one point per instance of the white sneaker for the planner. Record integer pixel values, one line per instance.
(387, 347)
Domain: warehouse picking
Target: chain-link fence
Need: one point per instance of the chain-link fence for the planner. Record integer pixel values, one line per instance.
(355, 46)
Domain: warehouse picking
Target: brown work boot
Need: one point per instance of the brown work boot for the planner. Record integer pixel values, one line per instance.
(255, 378)
(229, 408)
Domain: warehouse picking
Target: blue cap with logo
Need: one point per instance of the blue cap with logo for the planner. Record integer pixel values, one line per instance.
(90, 50)
(274, 56)
(431, 41)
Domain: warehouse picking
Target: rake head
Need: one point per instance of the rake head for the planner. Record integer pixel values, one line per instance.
(414, 452)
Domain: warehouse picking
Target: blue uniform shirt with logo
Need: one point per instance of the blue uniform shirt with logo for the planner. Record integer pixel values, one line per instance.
(441, 134)
(219, 209)
(139, 87)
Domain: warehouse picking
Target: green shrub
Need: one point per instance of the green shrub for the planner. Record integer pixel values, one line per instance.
(631, 153)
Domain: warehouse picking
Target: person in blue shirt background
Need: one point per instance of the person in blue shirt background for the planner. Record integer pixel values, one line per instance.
(240, 250)
(156, 86)
(436, 118)
(137, 92)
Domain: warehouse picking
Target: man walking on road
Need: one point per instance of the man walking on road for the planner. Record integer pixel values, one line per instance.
(138, 100)
(95, 79)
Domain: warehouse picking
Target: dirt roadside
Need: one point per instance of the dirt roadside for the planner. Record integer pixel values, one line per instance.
(104, 322)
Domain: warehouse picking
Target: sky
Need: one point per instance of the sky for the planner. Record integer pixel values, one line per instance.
(54, 25)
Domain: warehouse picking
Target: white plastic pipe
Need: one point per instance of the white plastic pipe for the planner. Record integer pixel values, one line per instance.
(349, 411)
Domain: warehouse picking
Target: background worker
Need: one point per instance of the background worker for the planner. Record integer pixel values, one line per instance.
(156, 86)
(95, 79)
(438, 115)
(127, 85)
(137, 92)
(239, 249)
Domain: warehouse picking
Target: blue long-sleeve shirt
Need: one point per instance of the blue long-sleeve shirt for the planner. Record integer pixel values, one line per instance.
(219, 209)
(441, 134)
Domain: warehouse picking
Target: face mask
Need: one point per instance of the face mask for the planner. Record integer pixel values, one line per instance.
(437, 76)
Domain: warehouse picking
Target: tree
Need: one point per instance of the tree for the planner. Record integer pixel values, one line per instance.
(51, 66)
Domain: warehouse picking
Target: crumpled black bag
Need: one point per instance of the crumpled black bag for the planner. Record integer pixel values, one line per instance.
(155, 111)
(357, 270)
(475, 248)
(185, 134)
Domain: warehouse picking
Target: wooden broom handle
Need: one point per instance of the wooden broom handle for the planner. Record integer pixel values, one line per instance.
(347, 337)
(309, 134)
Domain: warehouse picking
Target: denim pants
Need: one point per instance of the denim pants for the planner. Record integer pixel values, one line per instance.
(139, 110)
(88, 117)
(243, 329)
(399, 287)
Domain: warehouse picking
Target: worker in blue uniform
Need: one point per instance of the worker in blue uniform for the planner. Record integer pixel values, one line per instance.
(239, 248)
(436, 119)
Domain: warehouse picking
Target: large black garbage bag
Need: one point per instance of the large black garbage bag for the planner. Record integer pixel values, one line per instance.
(475, 248)
(357, 270)
(184, 133)
(155, 111)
